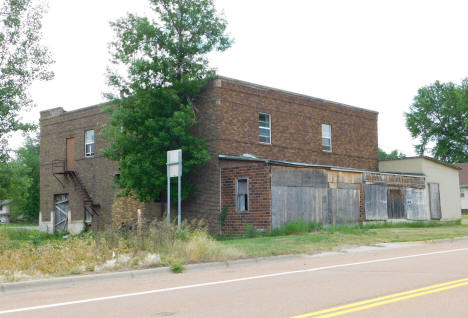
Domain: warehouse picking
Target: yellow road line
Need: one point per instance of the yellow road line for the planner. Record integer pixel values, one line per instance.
(379, 301)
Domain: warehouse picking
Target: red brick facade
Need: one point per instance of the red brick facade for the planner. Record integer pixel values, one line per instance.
(259, 209)
(228, 120)
(227, 113)
(296, 121)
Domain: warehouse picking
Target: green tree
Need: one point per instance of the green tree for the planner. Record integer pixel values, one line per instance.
(153, 108)
(19, 180)
(22, 60)
(28, 158)
(391, 155)
(439, 118)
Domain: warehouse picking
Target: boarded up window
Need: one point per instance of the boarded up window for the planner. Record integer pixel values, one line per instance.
(242, 195)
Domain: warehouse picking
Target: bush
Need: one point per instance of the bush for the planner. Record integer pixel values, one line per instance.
(32, 254)
(250, 231)
(176, 266)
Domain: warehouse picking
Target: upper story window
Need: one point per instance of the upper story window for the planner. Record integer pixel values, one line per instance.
(89, 143)
(326, 138)
(264, 122)
(242, 194)
(462, 193)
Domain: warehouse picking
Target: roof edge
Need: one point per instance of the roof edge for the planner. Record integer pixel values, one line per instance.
(427, 158)
(302, 164)
(263, 87)
(64, 112)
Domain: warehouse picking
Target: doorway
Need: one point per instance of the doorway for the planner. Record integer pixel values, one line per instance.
(60, 212)
(395, 204)
(70, 166)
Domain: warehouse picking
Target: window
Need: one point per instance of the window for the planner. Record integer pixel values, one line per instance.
(89, 143)
(326, 138)
(462, 193)
(242, 195)
(264, 121)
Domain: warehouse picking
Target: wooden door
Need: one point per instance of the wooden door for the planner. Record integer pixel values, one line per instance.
(434, 201)
(61, 212)
(70, 154)
(395, 204)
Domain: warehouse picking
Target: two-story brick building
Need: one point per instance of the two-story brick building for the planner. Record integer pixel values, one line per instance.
(275, 156)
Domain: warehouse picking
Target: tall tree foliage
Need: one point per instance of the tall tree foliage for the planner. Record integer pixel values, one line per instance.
(19, 180)
(22, 60)
(395, 154)
(154, 104)
(439, 117)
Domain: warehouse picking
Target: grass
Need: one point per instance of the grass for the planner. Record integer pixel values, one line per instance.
(30, 254)
(334, 237)
(20, 224)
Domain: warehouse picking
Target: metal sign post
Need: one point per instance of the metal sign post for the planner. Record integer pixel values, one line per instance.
(174, 169)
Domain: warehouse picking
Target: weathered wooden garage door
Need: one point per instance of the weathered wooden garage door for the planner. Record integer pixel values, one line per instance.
(415, 206)
(375, 202)
(321, 205)
(343, 206)
(61, 213)
(434, 201)
(395, 204)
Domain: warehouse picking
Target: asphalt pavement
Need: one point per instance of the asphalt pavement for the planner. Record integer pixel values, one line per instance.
(419, 280)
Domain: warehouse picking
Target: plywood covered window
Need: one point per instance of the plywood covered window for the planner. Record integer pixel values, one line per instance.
(264, 122)
(89, 143)
(242, 194)
(326, 138)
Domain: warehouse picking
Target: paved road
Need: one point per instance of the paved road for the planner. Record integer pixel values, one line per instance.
(429, 280)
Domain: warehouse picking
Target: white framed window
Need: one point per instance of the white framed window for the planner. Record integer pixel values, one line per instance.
(89, 143)
(242, 194)
(326, 137)
(462, 193)
(264, 123)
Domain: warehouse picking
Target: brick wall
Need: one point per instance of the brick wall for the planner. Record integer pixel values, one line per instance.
(227, 113)
(96, 172)
(205, 203)
(259, 210)
(296, 121)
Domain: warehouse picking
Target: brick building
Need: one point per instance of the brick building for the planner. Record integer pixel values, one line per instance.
(253, 133)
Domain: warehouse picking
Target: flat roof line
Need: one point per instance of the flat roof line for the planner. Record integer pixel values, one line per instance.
(262, 87)
(311, 165)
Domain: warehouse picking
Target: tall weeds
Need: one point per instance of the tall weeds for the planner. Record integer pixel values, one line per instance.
(38, 255)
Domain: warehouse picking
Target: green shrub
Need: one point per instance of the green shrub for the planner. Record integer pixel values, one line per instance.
(176, 266)
(250, 231)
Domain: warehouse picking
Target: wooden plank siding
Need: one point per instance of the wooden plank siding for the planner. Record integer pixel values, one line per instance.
(434, 201)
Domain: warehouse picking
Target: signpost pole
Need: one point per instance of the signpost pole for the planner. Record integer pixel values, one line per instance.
(174, 169)
(179, 188)
(168, 196)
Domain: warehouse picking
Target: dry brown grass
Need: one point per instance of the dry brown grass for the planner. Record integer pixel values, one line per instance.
(157, 244)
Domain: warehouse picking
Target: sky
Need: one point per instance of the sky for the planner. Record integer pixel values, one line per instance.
(370, 54)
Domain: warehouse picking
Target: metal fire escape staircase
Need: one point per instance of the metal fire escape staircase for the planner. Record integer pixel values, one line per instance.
(89, 205)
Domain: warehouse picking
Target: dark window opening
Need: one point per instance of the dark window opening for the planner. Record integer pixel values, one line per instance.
(242, 195)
